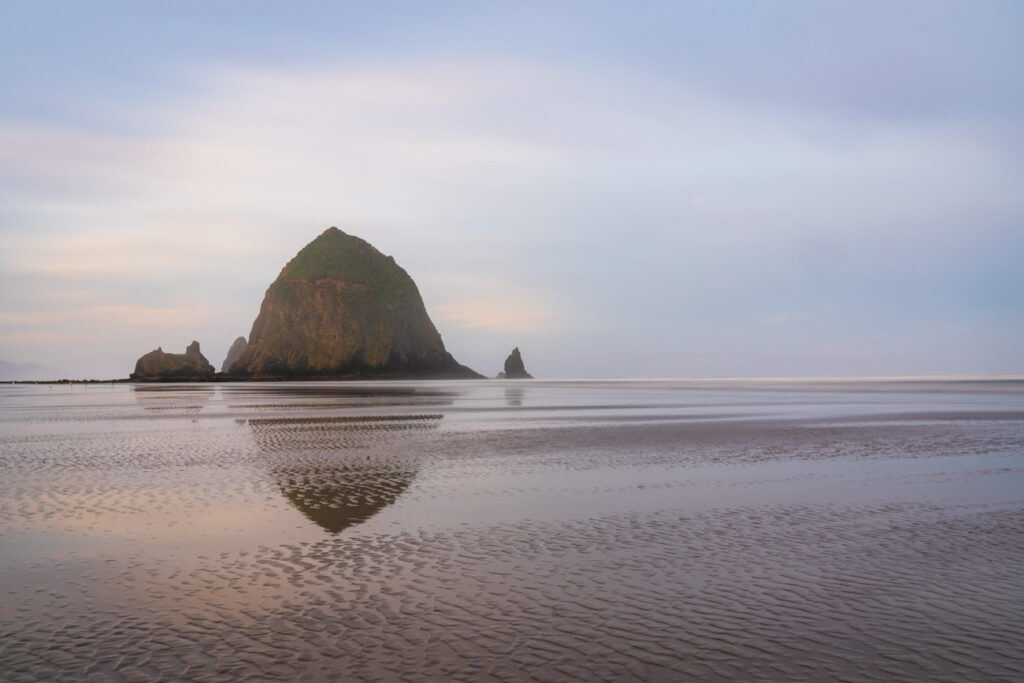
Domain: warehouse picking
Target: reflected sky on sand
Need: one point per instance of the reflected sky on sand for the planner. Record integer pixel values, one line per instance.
(634, 530)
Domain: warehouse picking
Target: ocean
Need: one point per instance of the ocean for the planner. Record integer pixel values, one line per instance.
(513, 530)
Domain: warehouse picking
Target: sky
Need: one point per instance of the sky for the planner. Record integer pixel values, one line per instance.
(643, 189)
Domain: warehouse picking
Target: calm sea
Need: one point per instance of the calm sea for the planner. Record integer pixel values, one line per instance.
(573, 530)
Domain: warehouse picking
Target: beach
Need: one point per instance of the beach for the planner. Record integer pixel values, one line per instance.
(513, 530)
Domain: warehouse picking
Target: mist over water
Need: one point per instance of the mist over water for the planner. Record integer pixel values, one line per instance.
(702, 530)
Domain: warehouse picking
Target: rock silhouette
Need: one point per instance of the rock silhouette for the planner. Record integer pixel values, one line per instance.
(157, 366)
(342, 310)
(234, 352)
(514, 368)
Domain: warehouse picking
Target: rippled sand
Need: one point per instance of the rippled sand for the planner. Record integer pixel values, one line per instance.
(513, 530)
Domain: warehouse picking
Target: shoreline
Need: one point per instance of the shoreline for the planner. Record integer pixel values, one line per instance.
(219, 378)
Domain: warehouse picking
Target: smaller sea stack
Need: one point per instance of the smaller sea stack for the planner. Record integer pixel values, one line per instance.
(157, 366)
(233, 353)
(514, 368)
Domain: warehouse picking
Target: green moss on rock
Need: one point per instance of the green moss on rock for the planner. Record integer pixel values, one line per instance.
(342, 309)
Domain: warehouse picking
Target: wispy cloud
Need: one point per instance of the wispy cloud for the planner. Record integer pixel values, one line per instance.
(782, 318)
(115, 316)
(519, 194)
(496, 305)
(499, 314)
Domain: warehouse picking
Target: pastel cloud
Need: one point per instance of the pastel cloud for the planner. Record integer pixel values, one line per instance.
(542, 197)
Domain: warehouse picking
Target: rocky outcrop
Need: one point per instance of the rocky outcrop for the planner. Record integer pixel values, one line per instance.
(514, 368)
(342, 310)
(157, 366)
(234, 352)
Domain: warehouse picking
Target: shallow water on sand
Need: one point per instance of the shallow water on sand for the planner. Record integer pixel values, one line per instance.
(859, 530)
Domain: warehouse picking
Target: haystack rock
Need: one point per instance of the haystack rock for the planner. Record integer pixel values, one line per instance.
(234, 352)
(342, 310)
(514, 368)
(157, 366)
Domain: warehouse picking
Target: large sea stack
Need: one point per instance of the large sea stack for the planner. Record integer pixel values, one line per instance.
(157, 366)
(342, 310)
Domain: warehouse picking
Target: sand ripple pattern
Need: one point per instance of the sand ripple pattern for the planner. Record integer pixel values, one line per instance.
(555, 532)
(801, 593)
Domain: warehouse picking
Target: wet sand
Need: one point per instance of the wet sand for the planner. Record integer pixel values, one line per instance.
(513, 530)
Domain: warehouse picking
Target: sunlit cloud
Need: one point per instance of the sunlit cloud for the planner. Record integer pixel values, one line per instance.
(497, 315)
(499, 306)
(406, 146)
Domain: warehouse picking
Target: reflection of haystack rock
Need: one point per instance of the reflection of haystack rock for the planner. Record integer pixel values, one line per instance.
(514, 396)
(336, 395)
(157, 366)
(173, 399)
(341, 309)
(342, 470)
